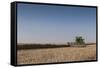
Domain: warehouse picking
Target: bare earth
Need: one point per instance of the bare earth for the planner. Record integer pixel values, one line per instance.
(50, 55)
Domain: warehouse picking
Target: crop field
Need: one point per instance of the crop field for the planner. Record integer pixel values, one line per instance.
(58, 54)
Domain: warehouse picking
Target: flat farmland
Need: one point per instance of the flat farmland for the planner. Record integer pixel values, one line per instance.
(60, 54)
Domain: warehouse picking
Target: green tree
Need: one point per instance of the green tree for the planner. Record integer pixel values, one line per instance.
(79, 40)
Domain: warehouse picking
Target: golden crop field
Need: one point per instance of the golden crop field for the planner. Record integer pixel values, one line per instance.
(50, 55)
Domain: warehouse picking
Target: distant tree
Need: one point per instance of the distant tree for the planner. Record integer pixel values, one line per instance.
(79, 40)
(68, 44)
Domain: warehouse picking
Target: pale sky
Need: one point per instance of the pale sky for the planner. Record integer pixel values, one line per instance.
(55, 24)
